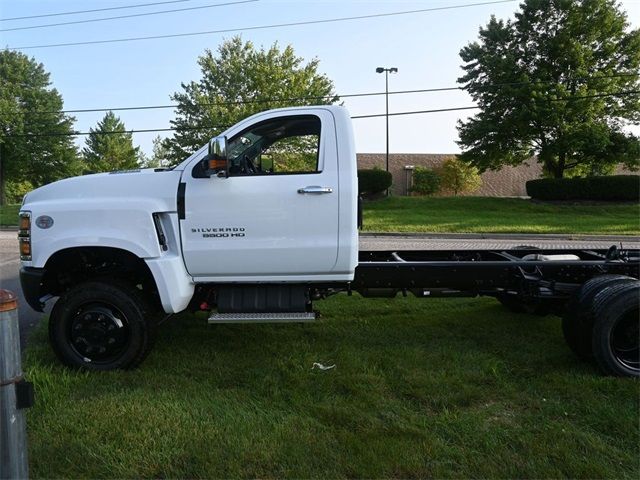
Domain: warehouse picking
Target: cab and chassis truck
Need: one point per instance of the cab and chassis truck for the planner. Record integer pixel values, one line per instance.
(256, 226)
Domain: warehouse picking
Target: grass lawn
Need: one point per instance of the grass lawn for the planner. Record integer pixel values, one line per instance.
(498, 215)
(9, 215)
(479, 215)
(422, 388)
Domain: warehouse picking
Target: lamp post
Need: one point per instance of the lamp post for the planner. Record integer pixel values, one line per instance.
(387, 71)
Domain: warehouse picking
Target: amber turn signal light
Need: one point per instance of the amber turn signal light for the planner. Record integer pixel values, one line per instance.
(25, 222)
(217, 164)
(25, 248)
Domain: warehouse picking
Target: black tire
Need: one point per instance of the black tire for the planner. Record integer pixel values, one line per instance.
(577, 321)
(616, 330)
(101, 326)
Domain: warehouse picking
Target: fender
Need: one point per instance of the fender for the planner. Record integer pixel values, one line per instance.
(124, 224)
(115, 210)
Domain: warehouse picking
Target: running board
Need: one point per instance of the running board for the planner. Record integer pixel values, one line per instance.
(283, 317)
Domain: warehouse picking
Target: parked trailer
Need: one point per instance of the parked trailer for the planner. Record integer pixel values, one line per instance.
(257, 226)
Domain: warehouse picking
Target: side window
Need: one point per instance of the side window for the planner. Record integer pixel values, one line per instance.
(284, 145)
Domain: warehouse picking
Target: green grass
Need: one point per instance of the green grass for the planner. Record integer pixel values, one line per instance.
(422, 388)
(9, 215)
(498, 215)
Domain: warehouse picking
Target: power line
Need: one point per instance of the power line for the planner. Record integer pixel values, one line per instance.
(110, 132)
(240, 102)
(355, 117)
(298, 99)
(596, 95)
(91, 11)
(222, 104)
(148, 130)
(415, 112)
(261, 27)
(128, 16)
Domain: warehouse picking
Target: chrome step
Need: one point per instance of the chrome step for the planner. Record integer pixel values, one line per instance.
(282, 317)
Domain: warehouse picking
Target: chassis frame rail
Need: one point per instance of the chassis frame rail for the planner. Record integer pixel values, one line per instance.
(488, 272)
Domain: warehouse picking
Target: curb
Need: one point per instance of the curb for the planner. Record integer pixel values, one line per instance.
(502, 236)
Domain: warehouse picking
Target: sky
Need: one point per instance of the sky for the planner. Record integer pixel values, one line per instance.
(423, 46)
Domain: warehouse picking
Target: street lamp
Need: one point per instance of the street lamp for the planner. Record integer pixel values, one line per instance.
(387, 71)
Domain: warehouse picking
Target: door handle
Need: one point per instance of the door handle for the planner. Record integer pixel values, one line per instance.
(315, 190)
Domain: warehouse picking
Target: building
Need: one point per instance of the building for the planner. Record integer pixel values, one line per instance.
(506, 182)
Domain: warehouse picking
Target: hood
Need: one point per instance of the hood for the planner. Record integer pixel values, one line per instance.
(129, 184)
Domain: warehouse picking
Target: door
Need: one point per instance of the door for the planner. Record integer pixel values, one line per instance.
(277, 212)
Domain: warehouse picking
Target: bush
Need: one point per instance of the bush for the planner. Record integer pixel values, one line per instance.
(14, 191)
(459, 177)
(614, 187)
(425, 181)
(373, 181)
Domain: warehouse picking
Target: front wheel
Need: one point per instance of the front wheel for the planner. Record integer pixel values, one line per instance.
(101, 326)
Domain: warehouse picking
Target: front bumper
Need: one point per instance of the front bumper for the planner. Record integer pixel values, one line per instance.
(31, 282)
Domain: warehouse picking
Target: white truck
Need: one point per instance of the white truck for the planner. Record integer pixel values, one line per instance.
(259, 224)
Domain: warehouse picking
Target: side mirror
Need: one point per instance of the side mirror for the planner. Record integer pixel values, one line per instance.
(217, 158)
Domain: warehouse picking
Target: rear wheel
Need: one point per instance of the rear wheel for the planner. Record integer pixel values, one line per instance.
(101, 326)
(616, 330)
(577, 321)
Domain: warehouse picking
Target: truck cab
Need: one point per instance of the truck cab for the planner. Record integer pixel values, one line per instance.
(279, 205)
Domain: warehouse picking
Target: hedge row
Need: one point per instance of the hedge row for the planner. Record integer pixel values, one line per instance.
(371, 182)
(613, 187)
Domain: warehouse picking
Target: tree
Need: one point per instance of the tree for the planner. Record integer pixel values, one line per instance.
(158, 157)
(552, 83)
(36, 142)
(238, 82)
(459, 177)
(105, 152)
